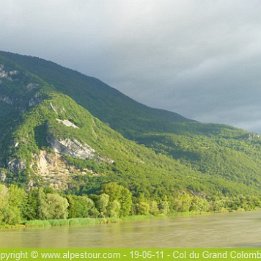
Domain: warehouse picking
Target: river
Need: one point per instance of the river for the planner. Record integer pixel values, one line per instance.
(241, 229)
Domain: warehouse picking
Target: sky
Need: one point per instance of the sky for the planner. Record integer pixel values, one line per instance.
(199, 58)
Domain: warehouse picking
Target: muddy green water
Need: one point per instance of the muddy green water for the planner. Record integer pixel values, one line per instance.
(218, 230)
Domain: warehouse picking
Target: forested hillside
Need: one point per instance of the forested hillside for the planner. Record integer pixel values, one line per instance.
(71, 140)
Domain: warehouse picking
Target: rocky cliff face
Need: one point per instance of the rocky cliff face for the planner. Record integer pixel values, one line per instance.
(53, 170)
(76, 149)
(50, 166)
(7, 74)
(16, 165)
(6, 99)
(72, 147)
(22, 104)
(29, 94)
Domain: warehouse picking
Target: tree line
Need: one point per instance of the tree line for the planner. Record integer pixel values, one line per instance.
(18, 205)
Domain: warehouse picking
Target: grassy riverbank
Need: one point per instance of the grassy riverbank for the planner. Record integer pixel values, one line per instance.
(69, 222)
(73, 222)
(96, 221)
(84, 221)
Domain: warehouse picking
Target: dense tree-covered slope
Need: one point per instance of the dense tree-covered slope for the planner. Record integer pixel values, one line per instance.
(109, 105)
(54, 132)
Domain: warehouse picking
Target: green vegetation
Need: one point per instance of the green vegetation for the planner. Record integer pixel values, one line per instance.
(45, 207)
(208, 148)
(76, 148)
(68, 222)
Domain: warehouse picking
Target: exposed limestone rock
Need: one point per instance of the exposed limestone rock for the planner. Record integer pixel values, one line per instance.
(16, 165)
(72, 148)
(53, 108)
(3, 73)
(30, 184)
(76, 149)
(53, 170)
(6, 74)
(14, 72)
(30, 86)
(36, 99)
(68, 123)
(6, 99)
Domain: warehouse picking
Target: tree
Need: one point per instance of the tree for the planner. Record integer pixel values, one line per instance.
(16, 202)
(31, 207)
(142, 208)
(154, 210)
(57, 206)
(114, 208)
(80, 206)
(42, 209)
(182, 202)
(121, 194)
(11, 202)
(3, 203)
(125, 201)
(102, 204)
(199, 204)
(113, 190)
(52, 206)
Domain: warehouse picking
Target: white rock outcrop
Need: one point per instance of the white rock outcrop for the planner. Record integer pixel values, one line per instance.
(68, 123)
(36, 99)
(72, 147)
(52, 169)
(6, 74)
(6, 99)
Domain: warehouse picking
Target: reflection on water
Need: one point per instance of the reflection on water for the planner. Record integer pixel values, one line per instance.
(219, 230)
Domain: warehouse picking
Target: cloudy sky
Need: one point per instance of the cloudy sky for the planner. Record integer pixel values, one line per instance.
(200, 58)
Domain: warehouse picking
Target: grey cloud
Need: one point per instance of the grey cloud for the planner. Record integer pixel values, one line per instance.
(199, 58)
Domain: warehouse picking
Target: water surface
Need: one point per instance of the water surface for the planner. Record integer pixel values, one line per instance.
(217, 230)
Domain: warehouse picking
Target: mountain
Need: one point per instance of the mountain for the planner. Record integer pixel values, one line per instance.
(63, 129)
(109, 105)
